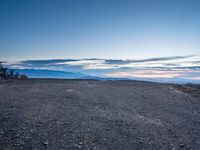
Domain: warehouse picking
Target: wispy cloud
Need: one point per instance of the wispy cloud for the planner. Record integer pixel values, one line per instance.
(120, 61)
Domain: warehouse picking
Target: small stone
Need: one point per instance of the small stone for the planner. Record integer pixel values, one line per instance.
(80, 143)
(107, 129)
(181, 145)
(1, 132)
(46, 143)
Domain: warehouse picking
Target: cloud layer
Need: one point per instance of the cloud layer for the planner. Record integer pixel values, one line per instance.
(176, 67)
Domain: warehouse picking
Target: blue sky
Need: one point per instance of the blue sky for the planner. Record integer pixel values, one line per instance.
(152, 39)
(111, 29)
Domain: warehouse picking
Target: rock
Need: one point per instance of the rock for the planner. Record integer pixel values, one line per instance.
(107, 129)
(1, 132)
(12, 130)
(45, 143)
(80, 143)
(181, 145)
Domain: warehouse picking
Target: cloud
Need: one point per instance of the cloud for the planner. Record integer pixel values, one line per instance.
(83, 62)
(194, 78)
(162, 67)
(120, 61)
(144, 74)
(95, 63)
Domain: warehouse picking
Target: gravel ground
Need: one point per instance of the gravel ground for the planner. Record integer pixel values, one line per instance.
(89, 114)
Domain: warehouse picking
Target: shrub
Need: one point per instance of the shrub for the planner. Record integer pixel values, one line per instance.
(17, 75)
(23, 77)
(4, 74)
(12, 74)
(1, 70)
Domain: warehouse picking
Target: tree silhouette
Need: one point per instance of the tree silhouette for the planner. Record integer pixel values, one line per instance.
(12, 74)
(23, 76)
(4, 73)
(1, 70)
(17, 75)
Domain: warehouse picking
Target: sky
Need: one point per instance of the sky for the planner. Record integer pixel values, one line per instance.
(135, 39)
(107, 29)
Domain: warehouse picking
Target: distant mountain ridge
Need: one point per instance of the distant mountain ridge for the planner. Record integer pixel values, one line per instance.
(39, 73)
(34, 73)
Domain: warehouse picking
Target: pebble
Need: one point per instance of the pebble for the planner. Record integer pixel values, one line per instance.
(181, 145)
(80, 143)
(107, 129)
(46, 143)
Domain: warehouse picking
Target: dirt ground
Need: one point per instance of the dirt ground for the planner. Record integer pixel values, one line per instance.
(104, 115)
